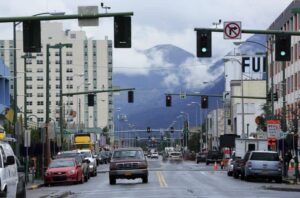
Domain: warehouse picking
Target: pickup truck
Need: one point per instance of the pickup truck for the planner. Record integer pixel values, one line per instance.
(214, 156)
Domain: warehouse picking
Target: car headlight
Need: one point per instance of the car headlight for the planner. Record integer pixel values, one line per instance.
(71, 172)
(91, 165)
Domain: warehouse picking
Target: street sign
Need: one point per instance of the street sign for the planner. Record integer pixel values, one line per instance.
(87, 10)
(27, 135)
(232, 30)
(273, 128)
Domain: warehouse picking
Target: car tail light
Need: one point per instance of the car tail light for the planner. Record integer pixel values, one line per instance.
(279, 166)
(249, 165)
(113, 166)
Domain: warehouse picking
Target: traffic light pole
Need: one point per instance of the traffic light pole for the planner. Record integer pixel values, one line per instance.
(96, 91)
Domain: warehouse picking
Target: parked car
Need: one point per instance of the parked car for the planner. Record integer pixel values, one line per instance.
(265, 164)
(238, 166)
(214, 156)
(8, 182)
(79, 158)
(230, 163)
(93, 161)
(21, 186)
(201, 157)
(64, 170)
(175, 156)
(154, 155)
(128, 163)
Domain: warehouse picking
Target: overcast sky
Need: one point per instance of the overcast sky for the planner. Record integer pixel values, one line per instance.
(157, 21)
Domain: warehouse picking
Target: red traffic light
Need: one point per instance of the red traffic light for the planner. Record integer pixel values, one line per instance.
(168, 100)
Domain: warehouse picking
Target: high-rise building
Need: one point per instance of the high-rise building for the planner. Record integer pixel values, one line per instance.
(87, 65)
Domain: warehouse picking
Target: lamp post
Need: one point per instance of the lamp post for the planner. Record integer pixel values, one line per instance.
(242, 90)
(188, 125)
(57, 46)
(78, 104)
(25, 57)
(15, 74)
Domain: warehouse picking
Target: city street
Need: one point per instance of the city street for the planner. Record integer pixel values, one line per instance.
(186, 179)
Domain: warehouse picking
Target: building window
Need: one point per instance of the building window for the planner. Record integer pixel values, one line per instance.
(28, 70)
(39, 54)
(56, 62)
(40, 86)
(29, 95)
(73, 36)
(56, 53)
(40, 119)
(69, 86)
(40, 78)
(69, 70)
(39, 62)
(28, 78)
(39, 103)
(69, 54)
(40, 95)
(57, 86)
(40, 111)
(69, 77)
(69, 62)
(28, 86)
(39, 70)
(29, 103)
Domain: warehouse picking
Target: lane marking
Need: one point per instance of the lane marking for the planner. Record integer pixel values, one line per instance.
(161, 179)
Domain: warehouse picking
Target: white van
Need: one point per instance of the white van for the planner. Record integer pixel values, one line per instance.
(8, 171)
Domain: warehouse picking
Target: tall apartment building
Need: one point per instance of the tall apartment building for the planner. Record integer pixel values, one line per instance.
(287, 83)
(87, 65)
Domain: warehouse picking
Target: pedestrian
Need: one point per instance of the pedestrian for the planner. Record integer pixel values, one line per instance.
(222, 164)
(287, 158)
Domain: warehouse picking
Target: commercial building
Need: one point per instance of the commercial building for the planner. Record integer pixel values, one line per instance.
(215, 128)
(4, 90)
(87, 65)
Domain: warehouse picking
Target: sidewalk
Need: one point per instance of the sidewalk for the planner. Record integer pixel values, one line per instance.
(288, 184)
(37, 183)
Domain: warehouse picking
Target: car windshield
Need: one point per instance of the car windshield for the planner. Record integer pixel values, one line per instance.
(128, 154)
(264, 156)
(61, 163)
(86, 154)
(175, 154)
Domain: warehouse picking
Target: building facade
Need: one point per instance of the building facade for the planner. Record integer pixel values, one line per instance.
(4, 90)
(215, 128)
(87, 65)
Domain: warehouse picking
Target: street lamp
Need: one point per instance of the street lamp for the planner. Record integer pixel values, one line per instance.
(15, 74)
(242, 90)
(78, 104)
(188, 125)
(25, 57)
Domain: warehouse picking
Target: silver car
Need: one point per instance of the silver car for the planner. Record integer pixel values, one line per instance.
(264, 164)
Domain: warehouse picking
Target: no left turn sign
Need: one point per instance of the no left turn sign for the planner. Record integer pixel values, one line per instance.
(232, 30)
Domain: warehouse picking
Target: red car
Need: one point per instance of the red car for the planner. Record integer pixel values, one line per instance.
(62, 171)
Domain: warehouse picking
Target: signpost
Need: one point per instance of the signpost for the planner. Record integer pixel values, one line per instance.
(273, 128)
(232, 30)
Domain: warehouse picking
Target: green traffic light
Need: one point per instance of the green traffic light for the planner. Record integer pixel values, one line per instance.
(204, 49)
(282, 53)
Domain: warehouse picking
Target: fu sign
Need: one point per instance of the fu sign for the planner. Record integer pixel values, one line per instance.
(255, 64)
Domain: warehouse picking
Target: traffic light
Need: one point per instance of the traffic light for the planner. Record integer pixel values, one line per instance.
(204, 102)
(172, 129)
(203, 43)
(122, 32)
(269, 97)
(130, 97)
(32, 36)
(275, 96)
(168, 100)
(282, 47)
(148, 129)
(91, 99)
(271, 141)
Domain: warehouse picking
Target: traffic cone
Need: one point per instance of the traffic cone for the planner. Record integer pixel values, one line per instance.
(215, 166)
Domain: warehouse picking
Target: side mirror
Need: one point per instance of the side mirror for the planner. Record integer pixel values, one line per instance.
(21, 168)
(9, 160)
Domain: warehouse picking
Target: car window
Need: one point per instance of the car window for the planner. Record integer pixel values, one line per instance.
(128, 154)
(61, 163)
(264, 156)
(175, 154)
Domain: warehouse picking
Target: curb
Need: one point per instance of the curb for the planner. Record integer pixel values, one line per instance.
(64, 194)
(35, 186)
(282, 189)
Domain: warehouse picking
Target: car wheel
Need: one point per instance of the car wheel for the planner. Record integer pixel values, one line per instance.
(86, 177)
(112, 180)
(95, 173)
(145, 179)
(82, 179)
(242, 176)
(278, 180)
(247, 178)
(235, 175)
